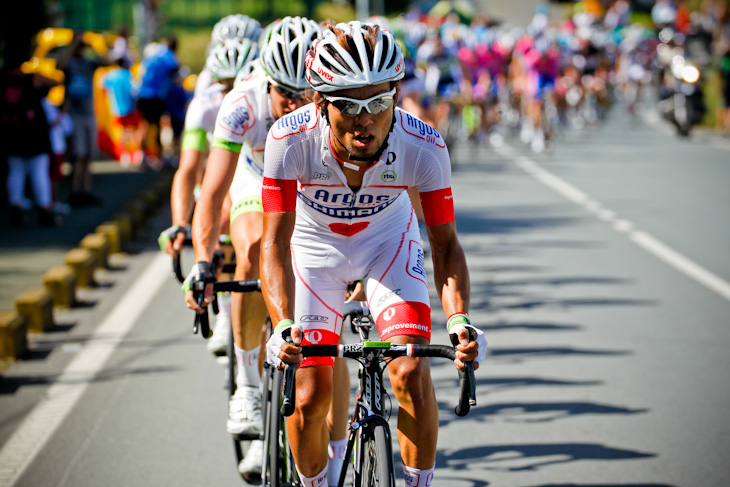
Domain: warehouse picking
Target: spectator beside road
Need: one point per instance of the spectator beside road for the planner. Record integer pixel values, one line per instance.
(160, 70)
(79, 64)
(60, 127)
(722, 47)
(25, 141)
(125, 118)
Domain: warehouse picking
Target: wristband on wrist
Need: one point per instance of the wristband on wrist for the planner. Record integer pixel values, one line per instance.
(458, 318)
(286, 323)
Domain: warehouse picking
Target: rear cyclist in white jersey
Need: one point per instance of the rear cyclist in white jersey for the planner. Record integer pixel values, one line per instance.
(336, 210)
(231, 27)
(225, 62)
(275, 88)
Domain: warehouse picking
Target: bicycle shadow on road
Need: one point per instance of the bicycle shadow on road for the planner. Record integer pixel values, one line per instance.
(530, 457)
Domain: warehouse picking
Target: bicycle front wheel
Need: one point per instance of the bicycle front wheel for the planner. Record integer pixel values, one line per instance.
(280, 463)
(377, 459)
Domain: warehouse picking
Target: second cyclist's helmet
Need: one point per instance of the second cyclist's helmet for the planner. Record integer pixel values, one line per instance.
(226, 59)
(331, 67)
(284, 49)
(236, 26)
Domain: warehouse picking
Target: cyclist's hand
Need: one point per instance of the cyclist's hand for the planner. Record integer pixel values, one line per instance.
(279, 350)
(467, 350)
(200, 279)
(171, 240)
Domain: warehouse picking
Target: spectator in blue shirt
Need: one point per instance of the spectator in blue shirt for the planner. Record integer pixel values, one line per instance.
(125, 118)
(159, 72)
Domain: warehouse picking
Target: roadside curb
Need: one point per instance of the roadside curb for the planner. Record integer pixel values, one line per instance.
(34, 306)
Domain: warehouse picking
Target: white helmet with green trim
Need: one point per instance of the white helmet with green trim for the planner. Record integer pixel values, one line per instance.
(226, 59)
(236, 26)
(284, 49)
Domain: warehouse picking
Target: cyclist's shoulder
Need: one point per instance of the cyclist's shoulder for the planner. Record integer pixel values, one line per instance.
(248, 92)
(297, 125)
(417, 135)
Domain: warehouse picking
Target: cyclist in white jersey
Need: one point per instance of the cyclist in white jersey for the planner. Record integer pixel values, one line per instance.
(230, 27)
(335, 210)
(275, 88)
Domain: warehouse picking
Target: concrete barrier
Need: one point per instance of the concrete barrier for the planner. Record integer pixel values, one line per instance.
(82, 263)
(113, 234)
(61, 283)
(36, 305)
(126, 231)
(98, 245)
(13, 335)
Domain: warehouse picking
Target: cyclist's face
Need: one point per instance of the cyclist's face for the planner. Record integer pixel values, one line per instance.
(284, 101)
(363, 134)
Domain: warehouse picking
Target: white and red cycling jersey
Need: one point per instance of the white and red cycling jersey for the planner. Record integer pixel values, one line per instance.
(203, 109)
(341, 235)
(243, 122)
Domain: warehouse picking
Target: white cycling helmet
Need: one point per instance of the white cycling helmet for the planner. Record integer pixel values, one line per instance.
(284, 49)
(246, 71)
(226, 59)
(236, 26)
(330, 67)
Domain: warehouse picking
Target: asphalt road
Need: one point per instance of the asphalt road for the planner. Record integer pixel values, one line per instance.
(608, 361)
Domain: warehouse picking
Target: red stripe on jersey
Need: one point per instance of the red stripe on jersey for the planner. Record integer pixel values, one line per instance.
(279, 195)
(438, 206)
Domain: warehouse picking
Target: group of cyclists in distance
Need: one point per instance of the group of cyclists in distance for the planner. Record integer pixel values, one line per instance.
(299, 145)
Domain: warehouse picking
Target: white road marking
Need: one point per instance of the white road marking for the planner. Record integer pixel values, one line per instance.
(40, 424)
(639, 237)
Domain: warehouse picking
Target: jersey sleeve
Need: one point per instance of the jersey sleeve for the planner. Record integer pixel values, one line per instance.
(433, 180)
(235, 117)
(281, 170)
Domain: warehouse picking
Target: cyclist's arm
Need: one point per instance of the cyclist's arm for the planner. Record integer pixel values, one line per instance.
(217, 180)
(451, 274)
(183, 186)
(277, 276)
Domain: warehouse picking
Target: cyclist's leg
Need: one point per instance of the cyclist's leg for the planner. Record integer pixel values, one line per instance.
(248, 310)
(319, 312)
(397, 292)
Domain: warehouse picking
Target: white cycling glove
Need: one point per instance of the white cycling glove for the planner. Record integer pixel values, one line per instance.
(277, 339)
(460, 321)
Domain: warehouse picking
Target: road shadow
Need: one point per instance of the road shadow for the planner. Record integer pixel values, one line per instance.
(519, 354)
(511, 220)
(603, 485)
(504, 383)
(11, 384)
(482, 302)
(528, 413)
(530, 457)
(504, 325)
(542, 412)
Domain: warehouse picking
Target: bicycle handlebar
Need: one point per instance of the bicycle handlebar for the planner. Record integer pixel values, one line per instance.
(467, 383)
(202, 320)
(177, 260)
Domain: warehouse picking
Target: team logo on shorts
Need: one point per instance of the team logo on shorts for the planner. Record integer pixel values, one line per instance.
(416, 266)
(389, 176)
(313, 319)
(387, 296)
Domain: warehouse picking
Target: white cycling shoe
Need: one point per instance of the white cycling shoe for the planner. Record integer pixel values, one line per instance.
(218, 343)
(251, 464)
(244, 412)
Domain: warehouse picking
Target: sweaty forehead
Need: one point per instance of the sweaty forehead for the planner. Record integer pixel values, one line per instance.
(364, 92)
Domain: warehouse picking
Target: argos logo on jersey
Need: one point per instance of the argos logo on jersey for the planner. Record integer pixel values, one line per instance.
(346, 199)
(420, 129)
(295, 122)
(237, 119)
